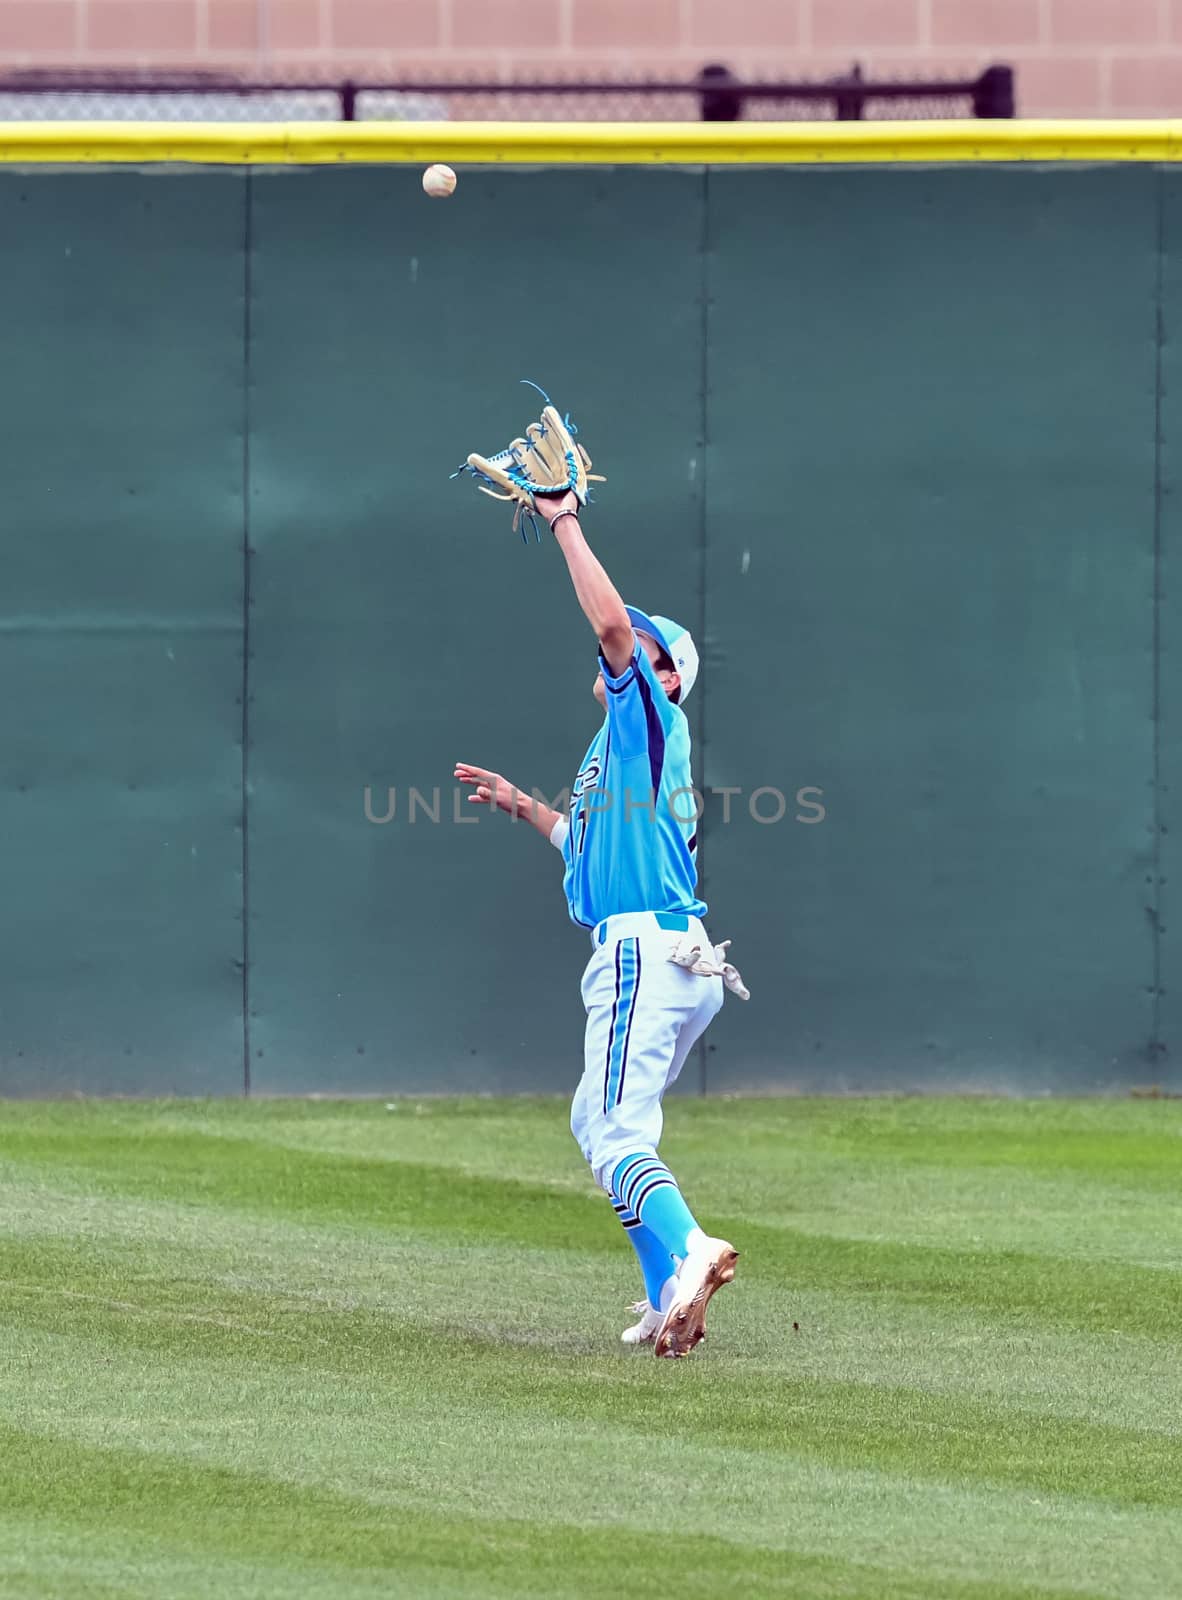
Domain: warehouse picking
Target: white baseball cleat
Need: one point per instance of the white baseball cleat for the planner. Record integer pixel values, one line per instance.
(646, 1329)
(709, 1264)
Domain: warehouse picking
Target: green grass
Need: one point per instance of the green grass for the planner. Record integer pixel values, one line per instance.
(343, 1350)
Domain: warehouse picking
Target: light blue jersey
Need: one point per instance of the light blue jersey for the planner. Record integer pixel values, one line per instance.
(632, 844)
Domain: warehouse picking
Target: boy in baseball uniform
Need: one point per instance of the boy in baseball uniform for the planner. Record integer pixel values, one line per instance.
(654, 981)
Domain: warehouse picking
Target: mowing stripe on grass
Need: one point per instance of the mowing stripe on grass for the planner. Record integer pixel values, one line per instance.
(292, 1349)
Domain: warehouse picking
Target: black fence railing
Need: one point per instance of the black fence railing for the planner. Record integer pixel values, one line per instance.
(714, 95)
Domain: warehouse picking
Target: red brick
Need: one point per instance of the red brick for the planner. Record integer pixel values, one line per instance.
(384, 24)
(506, 24)
(37, 27)
(920, 64)
(757, 65)
(234, 26)
(860, 25)
(626, 24)
(984, 24)
(592, 65)
(1058, 85)
(1147, 86)
(419, 64)
(732, 25)
(131, 28)
(1104, 22)
(293, 25)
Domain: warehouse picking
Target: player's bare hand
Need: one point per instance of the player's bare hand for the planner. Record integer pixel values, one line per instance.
(488, 788)
(549, 505)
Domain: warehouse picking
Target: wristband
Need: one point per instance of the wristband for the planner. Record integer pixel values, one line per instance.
(559, 832)
(558, 516)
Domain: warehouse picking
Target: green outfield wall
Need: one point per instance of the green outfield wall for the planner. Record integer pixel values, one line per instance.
(902, 444)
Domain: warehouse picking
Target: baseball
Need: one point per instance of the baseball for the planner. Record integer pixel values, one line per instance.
(439, 181)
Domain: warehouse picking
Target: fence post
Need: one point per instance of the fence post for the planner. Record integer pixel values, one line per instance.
(849, 106)
(994, 93)
(348, 102)
(718, 103)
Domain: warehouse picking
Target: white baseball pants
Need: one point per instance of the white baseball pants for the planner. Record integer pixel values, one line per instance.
(644, 1015)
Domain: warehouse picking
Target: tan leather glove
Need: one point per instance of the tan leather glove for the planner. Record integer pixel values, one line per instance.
(548, 461)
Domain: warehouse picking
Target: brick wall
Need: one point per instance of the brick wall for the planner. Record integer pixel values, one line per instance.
(1074, 57)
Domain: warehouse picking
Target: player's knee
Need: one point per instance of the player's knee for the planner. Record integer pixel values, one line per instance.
(602, 1158)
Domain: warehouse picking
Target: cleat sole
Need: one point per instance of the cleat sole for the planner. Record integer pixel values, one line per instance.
(684, 1326)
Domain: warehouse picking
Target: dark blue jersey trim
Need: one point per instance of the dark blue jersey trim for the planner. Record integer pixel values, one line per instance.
(621, 683)
(656, 733)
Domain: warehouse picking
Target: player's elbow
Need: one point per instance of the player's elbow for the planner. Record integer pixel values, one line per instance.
(616, 644)
(616, 640)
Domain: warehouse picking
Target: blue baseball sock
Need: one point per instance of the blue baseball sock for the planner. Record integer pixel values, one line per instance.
(655, 1261)
(645, 1188)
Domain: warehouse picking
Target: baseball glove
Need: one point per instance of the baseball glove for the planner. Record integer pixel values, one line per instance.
(549, 460)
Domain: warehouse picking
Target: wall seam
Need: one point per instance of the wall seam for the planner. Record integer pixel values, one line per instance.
(703, 566)
(923, 24)
(244, 818)
(1156, 1047)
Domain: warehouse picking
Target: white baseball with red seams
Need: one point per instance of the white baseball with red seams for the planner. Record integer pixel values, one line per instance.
(439, 181)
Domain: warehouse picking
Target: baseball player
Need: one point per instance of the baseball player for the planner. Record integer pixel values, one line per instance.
(654, 981)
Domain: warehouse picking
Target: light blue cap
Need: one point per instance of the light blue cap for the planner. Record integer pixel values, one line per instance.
(674, 640)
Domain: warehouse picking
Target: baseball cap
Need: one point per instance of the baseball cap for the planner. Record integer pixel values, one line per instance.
(674, 640)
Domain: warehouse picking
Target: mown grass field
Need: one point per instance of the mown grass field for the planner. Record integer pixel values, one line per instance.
(338, 1350)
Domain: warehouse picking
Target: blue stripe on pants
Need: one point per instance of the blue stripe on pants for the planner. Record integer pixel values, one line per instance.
(627, 981)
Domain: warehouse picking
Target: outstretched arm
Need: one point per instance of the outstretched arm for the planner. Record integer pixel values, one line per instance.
(490, 789)
(597, 594)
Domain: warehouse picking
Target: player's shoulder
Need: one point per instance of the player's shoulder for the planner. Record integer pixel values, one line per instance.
(677, 728)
